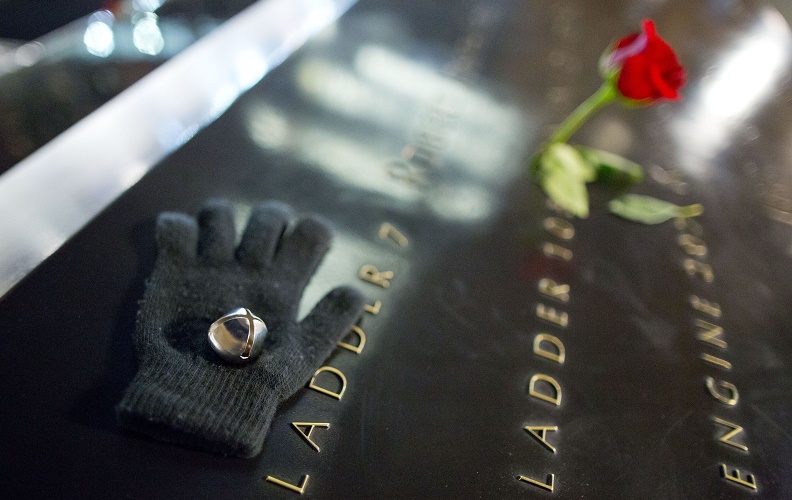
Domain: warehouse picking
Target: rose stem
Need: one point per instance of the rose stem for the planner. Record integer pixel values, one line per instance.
(605, 94)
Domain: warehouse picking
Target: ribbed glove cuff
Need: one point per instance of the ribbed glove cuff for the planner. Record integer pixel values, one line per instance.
(212, 408)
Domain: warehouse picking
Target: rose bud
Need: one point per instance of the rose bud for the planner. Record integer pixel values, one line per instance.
(643, 67)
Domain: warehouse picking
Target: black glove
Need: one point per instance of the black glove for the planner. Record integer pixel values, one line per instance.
(182, 392)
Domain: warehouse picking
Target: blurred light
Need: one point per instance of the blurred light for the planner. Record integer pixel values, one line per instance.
(612, 134)
(98, 36)
(269, 128)
(739, 85)
(357, 163)
(341, 90)
(147, 36)
(462, 202)
(480, 128)
(223, 99)
(250, 68)
(171, 133)
(748, 73)
(28, 54)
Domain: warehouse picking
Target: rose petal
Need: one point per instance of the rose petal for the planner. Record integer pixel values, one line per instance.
(660, 84)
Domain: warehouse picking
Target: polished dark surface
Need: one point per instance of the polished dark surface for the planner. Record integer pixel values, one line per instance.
(436, 402)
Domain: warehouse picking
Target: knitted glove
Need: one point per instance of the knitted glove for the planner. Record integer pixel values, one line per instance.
(182, 392)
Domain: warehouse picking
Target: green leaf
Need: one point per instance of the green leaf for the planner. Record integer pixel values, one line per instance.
(648, 210)
(563, 172)
(560, 155)
(611, 166)
(566, 190)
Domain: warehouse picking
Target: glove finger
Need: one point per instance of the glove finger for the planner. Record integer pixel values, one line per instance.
(264, 230)
(302, 351)
(217, 235)
(176, 235)
(301, 251)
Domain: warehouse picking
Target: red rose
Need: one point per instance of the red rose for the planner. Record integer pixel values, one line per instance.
(646, 66)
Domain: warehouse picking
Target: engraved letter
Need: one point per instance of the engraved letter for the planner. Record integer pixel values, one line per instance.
(716, 361)
(387, 230)
(557, 356)
(733, 395)
(710, 333)
(693, 267)
(307, 435)
(373, 275)
(559, 227)
(555, 207)
(692, 245)
(546, 486)
(555, 399)
(298, 489)
(748, 482)
(337, 373)
(689, 225)
(553, 250)
(357, 349)
(374, 308)
(540, 431)
(705, 306)
(406, 172)
(558, 291)
(423, 157)
(726, 438)
(551, 315)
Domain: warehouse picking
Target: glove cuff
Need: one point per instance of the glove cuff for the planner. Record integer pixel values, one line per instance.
(217, 409)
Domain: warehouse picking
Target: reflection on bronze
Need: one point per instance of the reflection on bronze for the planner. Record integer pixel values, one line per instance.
(374, 308)
(539, 432)
(559, 227)
(357, 349)
(778, 202)
(736, 477)
(553, 250)
(735, 430)
(557, 356)
(779, 215)
(373, 275)
(545, 486)
(711, 308)
(550, 315)
(729, 388)
(694, 267)
(716, 361)
(387, 230)
(554, 399)
(307, 435)
(692, 245)
(338, 395)
(710, 333)
(297, 489)
(558, 291)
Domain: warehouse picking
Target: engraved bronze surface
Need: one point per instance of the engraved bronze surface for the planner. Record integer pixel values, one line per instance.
(511, 351)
